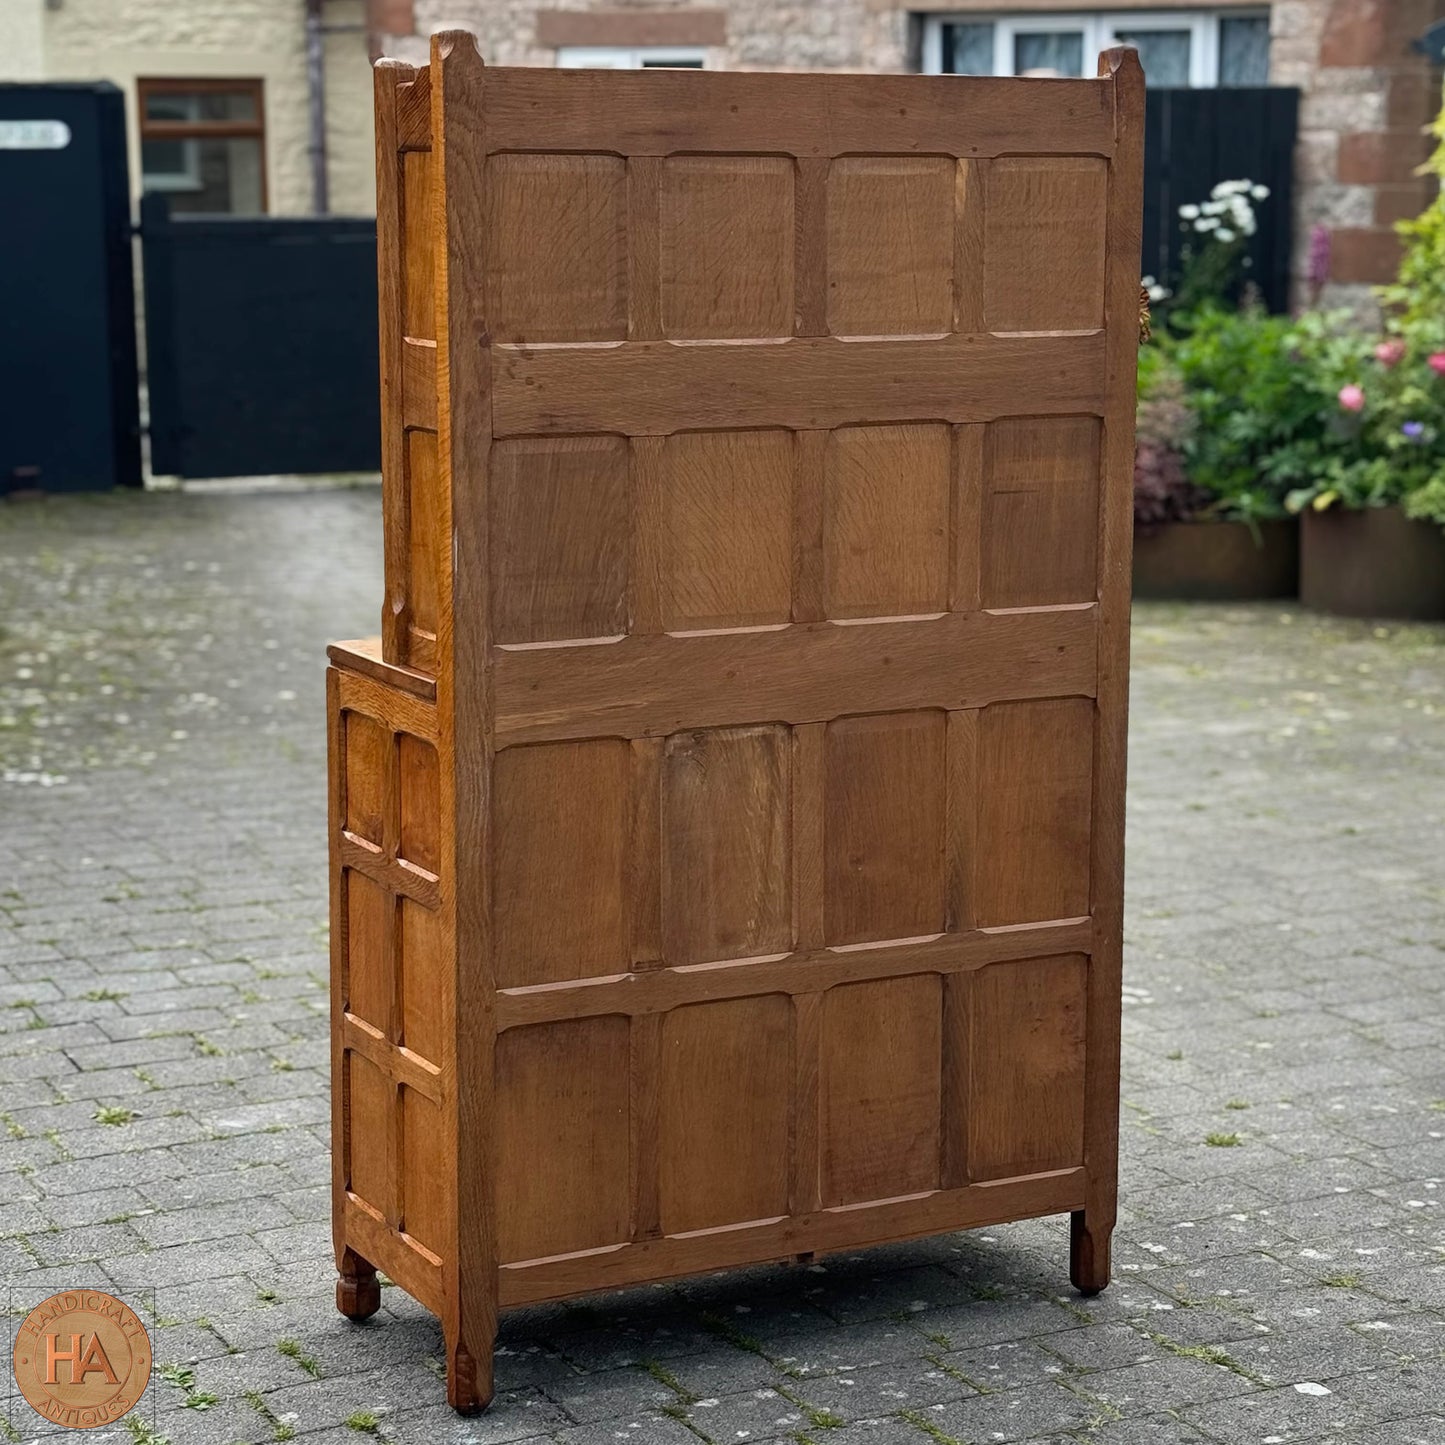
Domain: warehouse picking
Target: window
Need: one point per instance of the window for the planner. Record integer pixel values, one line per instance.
(203, 142)
(1176, 47)
(634, 57)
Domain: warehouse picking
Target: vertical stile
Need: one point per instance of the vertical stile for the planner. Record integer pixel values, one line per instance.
(810, 265)
(965, 555)
(464, 423)
(810, 459)
(387, 77)
(644, 284)
(644, 1086)
(1092, 1225)
(970, 197)
(647, 565)
(645, 881)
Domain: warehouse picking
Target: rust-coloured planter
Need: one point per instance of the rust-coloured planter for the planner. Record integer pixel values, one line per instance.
(1375, 563)
(1217, 561)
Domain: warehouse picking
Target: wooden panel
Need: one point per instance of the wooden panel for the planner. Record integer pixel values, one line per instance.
(370, 917)
(420, 803)
(663, 112)
(1026, 1067)
(723, 1113)
(424, 981)
(726, 238)
(418, 291)
(728, 502)
(367, 746)
(559, 538)
(562, 1131)
(650, 685)
(726, 802)
(424, 493)
(425, 1165)
(1040, 523)
(890, 245)
(1044, 243)
(371, 1109)
(557, 247)
(880, 1089)
(653, 388)
(883, 827)
(1035, 761)
(563, 812)
(885, 521)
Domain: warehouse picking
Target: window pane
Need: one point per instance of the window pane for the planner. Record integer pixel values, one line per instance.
(215, 176)
(1059, 52)
(201, 105)
(968, 48)
(1164, 54)
(1244, 50)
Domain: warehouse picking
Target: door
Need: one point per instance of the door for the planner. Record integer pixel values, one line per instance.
(70, 420)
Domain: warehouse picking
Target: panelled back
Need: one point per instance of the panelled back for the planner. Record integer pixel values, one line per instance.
(802, 497)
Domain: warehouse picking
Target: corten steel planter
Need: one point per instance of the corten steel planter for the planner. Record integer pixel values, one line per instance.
(1374, 563)
(1217, 561)
(727, 827)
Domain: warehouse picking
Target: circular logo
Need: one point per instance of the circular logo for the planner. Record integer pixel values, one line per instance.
(82, 1359)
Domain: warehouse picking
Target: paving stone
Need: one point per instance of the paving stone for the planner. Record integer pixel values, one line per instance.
(1282, 937)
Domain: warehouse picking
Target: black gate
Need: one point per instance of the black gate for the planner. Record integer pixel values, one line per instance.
(261, 343)
(1193, 139)
(69, 418)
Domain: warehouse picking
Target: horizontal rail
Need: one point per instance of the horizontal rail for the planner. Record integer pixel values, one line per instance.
(649, 686)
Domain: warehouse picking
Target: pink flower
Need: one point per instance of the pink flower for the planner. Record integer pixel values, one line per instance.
(1437, 363)
(1390, 353)
(1352, 397)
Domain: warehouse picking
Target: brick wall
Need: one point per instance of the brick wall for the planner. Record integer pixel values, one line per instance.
(1366, 94)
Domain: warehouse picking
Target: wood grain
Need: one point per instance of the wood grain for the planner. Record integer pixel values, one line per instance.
(726, 830)
(656, 387)
(643, 686)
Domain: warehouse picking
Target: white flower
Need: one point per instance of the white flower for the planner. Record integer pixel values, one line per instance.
(1207, 223)
(1146, 281)
(1158, 292)
(1225, 234)
(1189, 213)
(1260, 193)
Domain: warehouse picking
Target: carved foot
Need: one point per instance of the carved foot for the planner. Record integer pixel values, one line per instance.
(468, 1389)
(1088, 1255)
(358, 1295)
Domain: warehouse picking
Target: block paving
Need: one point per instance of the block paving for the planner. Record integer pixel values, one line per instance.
(1280, 1256)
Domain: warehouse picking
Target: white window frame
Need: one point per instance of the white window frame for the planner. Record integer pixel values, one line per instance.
(630, 57)
(1100, 30)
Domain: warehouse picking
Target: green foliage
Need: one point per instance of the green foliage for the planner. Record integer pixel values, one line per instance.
(1311, 412)
(1256, 427)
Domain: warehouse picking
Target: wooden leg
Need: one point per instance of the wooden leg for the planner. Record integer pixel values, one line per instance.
(469, 1379)
(1088, 1254)
(358, 1295)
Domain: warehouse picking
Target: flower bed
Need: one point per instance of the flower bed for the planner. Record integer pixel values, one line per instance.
(1250, 418)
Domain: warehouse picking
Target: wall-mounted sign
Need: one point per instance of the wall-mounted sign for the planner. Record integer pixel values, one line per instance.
(34, 135)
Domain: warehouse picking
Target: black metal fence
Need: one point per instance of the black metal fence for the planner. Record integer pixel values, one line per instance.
(1193, 139)
(261, 343)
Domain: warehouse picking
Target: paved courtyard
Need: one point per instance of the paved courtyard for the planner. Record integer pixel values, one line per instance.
(1280, 1260)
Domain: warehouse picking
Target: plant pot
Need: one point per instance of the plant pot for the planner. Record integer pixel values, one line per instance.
(1217, 561)
(1375, 563)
